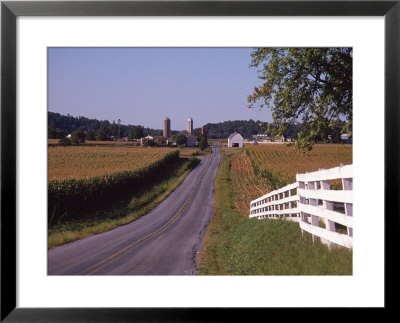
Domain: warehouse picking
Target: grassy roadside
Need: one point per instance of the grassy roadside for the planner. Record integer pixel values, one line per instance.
(224, 218)
(138, 206)
(236, 245)
(194, 151)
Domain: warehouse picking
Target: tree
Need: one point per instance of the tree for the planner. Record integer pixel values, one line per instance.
(136, 133)
(78, 137)
(103, 134)
(114, 130)
(55, 133)
(313, 85)
(180, 140)
(64, 142)
(203, 143)
(149, 143)
(90, 135)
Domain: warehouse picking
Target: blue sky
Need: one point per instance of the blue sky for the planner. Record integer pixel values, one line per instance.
(141, 86)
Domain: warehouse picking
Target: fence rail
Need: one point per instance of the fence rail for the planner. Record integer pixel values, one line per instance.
(325, 213)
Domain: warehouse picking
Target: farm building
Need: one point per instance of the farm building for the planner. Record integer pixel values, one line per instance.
(262, 137)
(250, 142)
(191, 140)
(346, 138)
(235, 140)
(280, 138)
(158, 140)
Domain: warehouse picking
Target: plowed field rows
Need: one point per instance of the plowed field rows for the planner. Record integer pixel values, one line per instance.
(245, 185)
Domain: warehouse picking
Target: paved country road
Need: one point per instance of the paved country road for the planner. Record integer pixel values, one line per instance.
(163, 242)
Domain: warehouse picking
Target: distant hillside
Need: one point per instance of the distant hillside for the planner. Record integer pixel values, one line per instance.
(69, 123)
(223, 129)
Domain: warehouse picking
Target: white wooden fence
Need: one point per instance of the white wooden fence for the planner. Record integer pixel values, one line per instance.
(325, 213)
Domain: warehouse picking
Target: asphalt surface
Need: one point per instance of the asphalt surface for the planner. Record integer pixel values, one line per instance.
(166, 241)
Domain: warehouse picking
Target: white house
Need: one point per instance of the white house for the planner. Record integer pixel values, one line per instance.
(235, 140)
(262, 137)
(345, 137)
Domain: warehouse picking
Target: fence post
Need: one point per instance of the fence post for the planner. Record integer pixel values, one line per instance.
(314, 218)
(329, 225)
(347, 184)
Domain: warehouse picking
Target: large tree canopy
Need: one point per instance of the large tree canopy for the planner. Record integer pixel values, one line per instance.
(311, 85)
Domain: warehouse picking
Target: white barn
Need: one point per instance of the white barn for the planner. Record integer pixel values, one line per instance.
(235, 140)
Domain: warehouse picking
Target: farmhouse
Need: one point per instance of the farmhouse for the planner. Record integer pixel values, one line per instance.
(157, 140)
(235, 140)
(346, 138)
(262, 137)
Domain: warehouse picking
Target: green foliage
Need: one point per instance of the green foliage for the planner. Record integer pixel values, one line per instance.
(203, 143)
(114, 130)
(77, 137)
(64, 142)
(136, 133)
(90, 135)
(68, 124)
(222, 130)
(55, 133)
(275, 182)
(309, 84)
(303, 143)
(103, 134)
(74, 197)
(149, 143)
(180, 140)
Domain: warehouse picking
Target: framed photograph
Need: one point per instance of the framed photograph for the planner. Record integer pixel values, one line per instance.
(43, 42)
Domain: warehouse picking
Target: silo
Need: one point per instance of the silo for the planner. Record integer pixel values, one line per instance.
(190, 125)
(167, 127)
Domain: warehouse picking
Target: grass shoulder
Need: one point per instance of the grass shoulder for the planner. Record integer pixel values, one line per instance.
(236, 245)
(194, 151)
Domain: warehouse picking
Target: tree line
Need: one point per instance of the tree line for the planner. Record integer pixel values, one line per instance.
(248, 128)
(82, 128)
(60, 126)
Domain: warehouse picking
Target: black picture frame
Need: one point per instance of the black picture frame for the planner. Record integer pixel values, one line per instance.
(10, 10)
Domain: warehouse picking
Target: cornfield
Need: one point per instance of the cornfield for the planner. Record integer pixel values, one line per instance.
(83, 179)
(285, 162)
(258, 170)
(85, 162)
